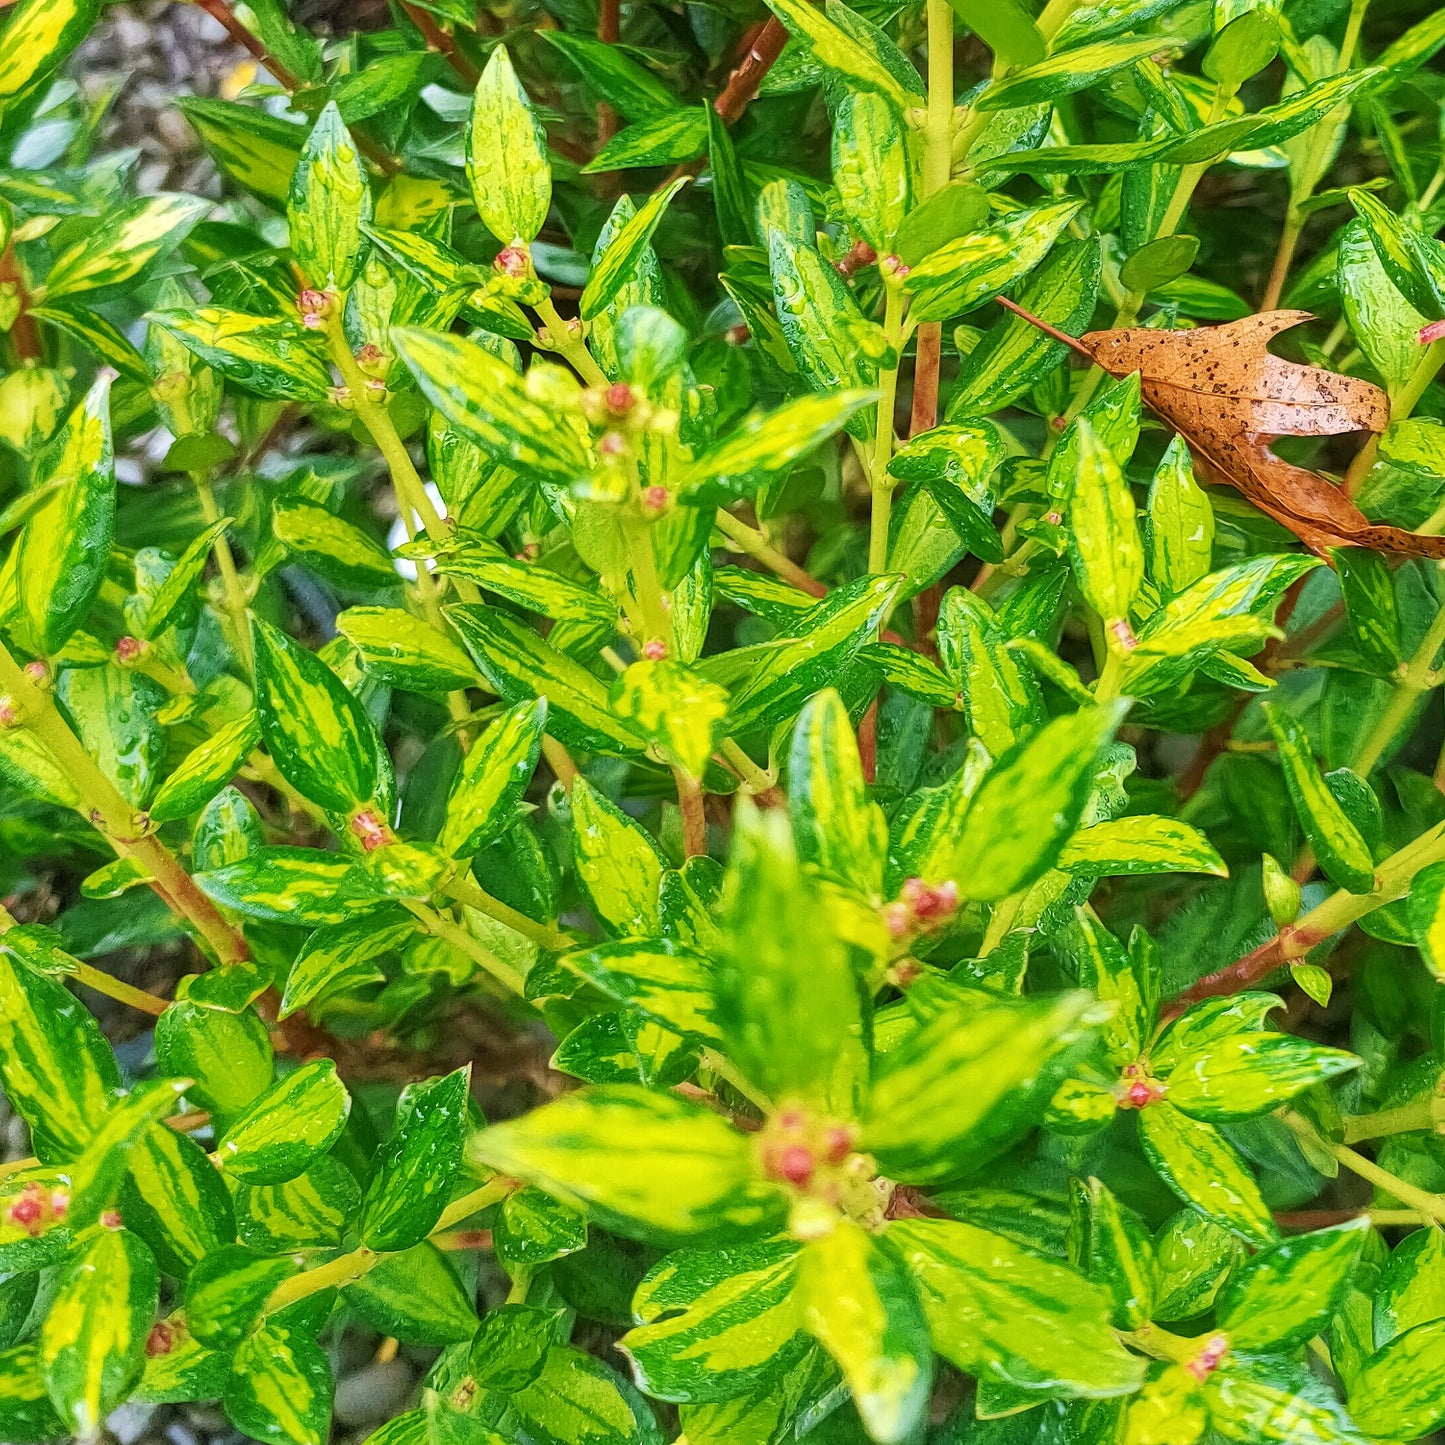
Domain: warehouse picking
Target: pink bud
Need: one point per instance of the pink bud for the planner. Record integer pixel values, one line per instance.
(738, 335)
(613, 444)
(654, 650)
(792, 1119)
(127, 649)
(1207, 1360)
(794, 1164)
(9, 713)
(837, 1144)
(160, 1341)
(655, 500)
(370, 830)
(111, 1219)
(313, 305)
(1139, 1094)
(36, 671)
(620, 399)
(511, 261)
(26, 1212)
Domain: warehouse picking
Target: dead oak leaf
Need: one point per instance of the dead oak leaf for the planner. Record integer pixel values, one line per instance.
(1228, 396)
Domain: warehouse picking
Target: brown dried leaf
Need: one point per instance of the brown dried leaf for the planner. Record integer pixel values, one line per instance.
(1224, 392)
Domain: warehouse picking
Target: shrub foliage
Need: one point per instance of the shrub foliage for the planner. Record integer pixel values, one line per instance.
(567, 538)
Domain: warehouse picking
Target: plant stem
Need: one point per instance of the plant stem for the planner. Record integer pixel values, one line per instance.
(102, 983)
(754, 778)
(1405, 1119)
(234, 591)
(465, 890)
(1429, 1204)
(882, 483)
(742, 85)
(1284, 254)
(751, 543)
(345, 1269)
(111, 815)
(1338, 911)
(442, 43)
(1416, 677)
(483, 1197)
(440, 926)
(694, 820)
(1401, 405)
(570, 346)
(937, 168)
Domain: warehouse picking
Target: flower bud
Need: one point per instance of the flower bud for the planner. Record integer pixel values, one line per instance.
(1281, 893)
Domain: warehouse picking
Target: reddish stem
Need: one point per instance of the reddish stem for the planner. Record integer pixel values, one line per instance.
(926, 363)
(442, 43)
(1072, 342)
(743, 83)
(609, 31)
(24, 334)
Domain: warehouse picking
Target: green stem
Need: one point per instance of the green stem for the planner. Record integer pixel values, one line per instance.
(233, 589)
(1406, 1119)
(1416, 677)
(488, 1194)
(646, 585)
(102, 983)
(756, 780)
(102, 805)
(465, 890)
(1402, 403)
(724, 1068)
(751, 543)
(439, 926)
(345, 1269)
(882, 483)
(560, 338)
(1430, 1204)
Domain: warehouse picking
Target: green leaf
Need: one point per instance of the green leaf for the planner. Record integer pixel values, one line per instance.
(255, 149)
(281, 1134)
(618, 864)
(578, 1398)
(788, 1001)
(533, 1228)
(339, 551)
(415, 1297)
(175, 1200)
(280, 1388)
(519, 666)
(26, 1415)
(404, 651)
(624, 251)
(227, 1292)
(92, 1342)
(1202, 1168)
(1140, 844)
(1180, 527)
(1006, 28)
(38, 38)
(270, 356)
(1029, 803)
(175, 592)
(314, 1210)
(226, 1055)
(507, 167)
(837, 830)
(871, 169)
(1286, 1295)
(1109, 1244)
(840, 50)
(487, 402)
(489, 786)
(1000, 698)
(1012, 356)
(812, 654)
(1412, 261)
(1343, 853)
(766, 443)
(972, 1080)
(659, 140)
(114, 712)
(283, 885)
(1104, 543)
(205, 770)
(1193, 1256)
(668, 984)
(1396, 1393)
(1128, 978)
(858, 1302)
(1066, 72)
(679, 712)
(956, 462)
(1371, 615)
(1250, 1399)
(65, 547)
(316, 732)
(1249, 1074)
(636, 1161)
(973, 269)
(414, 1171)
(629, 88)
(58, 1070)
(1003, 1313)
(713, 1324)
(124, 243)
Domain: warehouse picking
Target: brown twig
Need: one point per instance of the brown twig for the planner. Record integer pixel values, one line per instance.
(442, 43)
(743, 83)
(220, 11)
(609, 31)
(24, 334)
